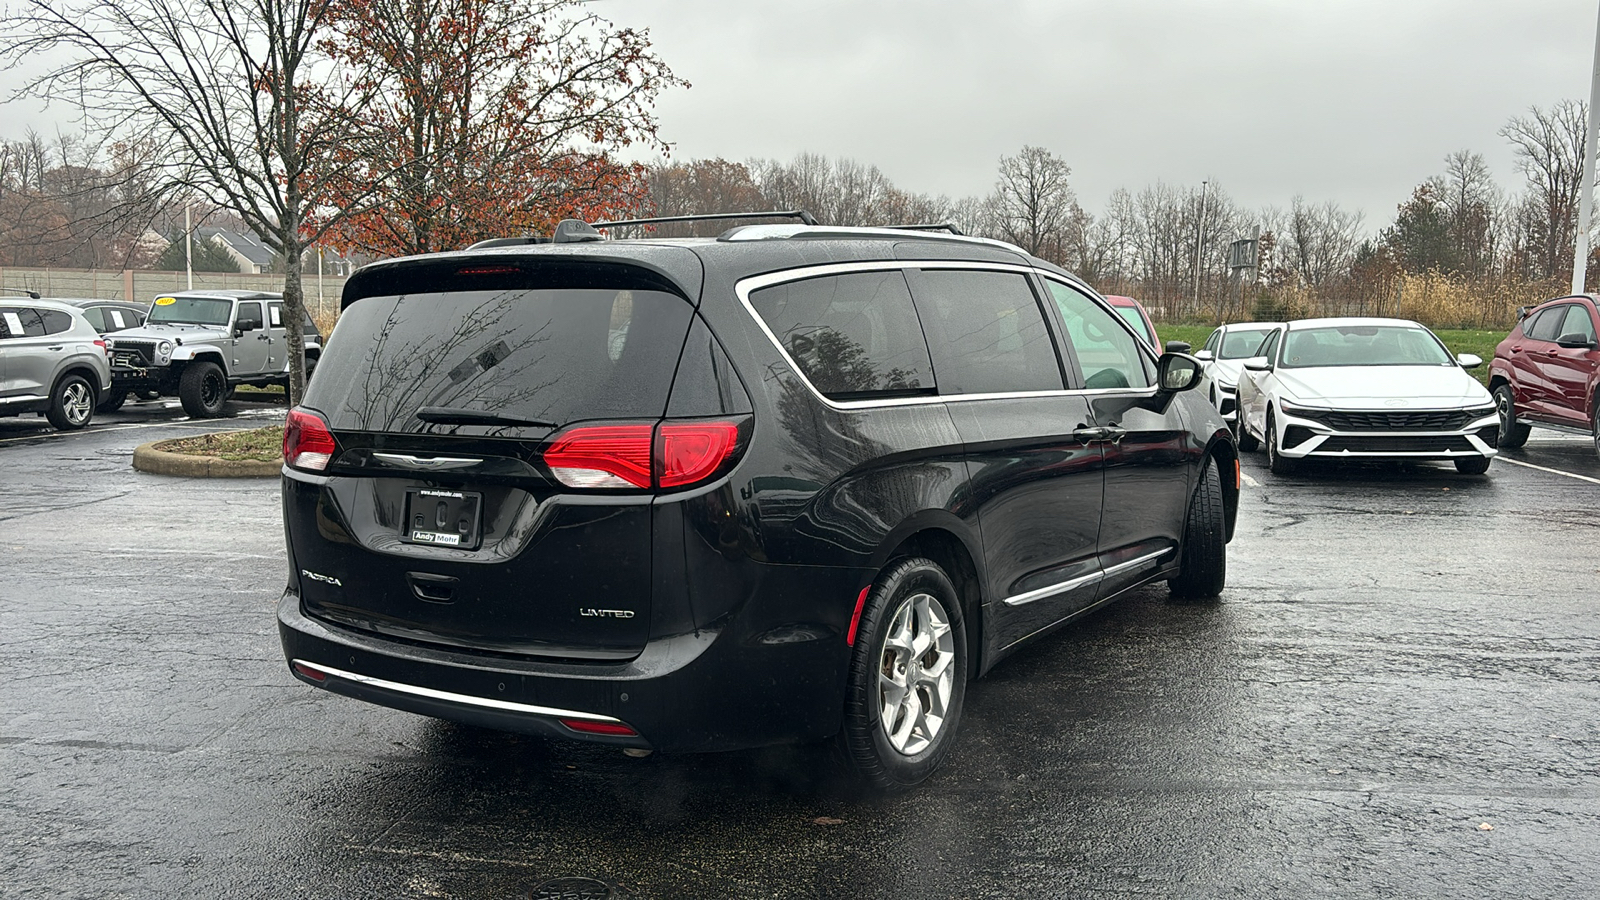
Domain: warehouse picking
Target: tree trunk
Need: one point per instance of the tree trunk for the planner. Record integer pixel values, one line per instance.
(294, 311)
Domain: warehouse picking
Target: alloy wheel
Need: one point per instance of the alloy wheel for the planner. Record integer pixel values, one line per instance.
(916, 674)
(211, 391)
(1502, 408)
(77, 401)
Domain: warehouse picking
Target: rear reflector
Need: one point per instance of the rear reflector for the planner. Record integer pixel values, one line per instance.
(687, 452)
(307, 442)
(602, 456)
(855, 617)
(309, 672)
(584, 726)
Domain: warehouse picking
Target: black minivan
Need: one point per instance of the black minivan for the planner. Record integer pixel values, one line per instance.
(789, 484)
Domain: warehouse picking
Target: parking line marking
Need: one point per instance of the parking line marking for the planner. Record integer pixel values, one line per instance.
(1517, 462)
(1251, 482)
(46, 435)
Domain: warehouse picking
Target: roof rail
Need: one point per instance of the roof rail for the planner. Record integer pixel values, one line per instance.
(31, 295)
(928, 226)
(508, 242)
(800, 214)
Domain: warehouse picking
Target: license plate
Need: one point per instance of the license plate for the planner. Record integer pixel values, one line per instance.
(442, 518)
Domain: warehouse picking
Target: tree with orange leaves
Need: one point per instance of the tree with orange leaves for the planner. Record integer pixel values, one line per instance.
(501, 117)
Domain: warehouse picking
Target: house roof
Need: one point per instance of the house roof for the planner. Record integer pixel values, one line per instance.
(247, 245)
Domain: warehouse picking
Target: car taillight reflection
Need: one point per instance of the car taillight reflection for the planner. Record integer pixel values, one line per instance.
(640, 456)
(307, 442)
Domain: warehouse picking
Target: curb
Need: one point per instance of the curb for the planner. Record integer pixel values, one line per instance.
(146, 458)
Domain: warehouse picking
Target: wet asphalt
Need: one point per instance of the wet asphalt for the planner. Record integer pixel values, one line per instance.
(1403, 656)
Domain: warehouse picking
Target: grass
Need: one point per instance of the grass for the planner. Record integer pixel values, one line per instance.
(264, 444)
(1479, 343)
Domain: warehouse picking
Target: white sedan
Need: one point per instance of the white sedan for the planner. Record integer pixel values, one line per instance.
(1224, 353)
(1364, 389)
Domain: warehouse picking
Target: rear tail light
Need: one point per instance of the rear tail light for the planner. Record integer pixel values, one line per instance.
(602, 456)
(307, 442)
(102, 345)
(687, 452)
(308, 672)
(613, 729)
(640, 456)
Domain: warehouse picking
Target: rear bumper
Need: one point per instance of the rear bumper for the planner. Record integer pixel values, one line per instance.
(705, 691)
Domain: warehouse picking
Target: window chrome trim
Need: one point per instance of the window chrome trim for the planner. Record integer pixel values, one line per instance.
(449, 697)
(746, 286)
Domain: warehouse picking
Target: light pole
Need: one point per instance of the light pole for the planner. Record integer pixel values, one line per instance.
(1580, 247)
(1198, 222)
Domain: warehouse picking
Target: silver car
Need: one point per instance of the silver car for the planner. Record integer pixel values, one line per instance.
(52, 362)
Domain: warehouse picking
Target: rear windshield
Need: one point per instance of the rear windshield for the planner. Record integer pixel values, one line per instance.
(557, 356)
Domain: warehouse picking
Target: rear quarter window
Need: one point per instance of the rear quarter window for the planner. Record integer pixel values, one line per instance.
(560, 356)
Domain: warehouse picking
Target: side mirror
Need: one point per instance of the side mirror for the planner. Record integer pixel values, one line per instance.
(1575, 341)
(1177, 346)
(1258, 364)
(1469, 360)
(1178, 372)
(246, 323)
(1204, 355)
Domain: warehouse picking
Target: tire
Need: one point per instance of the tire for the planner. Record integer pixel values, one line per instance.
(203, 389)
(912, 602)
(1473, 465)
(1594, 424)
(71, 403)
(1247, 441)
(1513, 434)
(112, 401)
(1275, 460)
(1203, 566)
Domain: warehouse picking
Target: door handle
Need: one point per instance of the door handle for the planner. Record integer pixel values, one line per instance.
(264, 337)
(57, 347)
(1113, 435)
(1089, 435)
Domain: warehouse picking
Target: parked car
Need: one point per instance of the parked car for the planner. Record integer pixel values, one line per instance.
(198, 345)
(1137, 318)
(52, 362)
(110, 315)
(1364, 388)
(1224, 353)
(1547, 370)
(886, 460)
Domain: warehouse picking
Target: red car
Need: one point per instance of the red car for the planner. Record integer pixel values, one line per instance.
(1545, 371)
(1134, 314)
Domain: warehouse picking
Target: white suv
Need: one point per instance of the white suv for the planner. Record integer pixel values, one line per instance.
(52, 362)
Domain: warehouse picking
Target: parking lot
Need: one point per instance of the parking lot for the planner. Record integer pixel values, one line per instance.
(1394, 697)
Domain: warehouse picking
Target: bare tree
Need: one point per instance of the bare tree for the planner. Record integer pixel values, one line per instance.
(235, 93)
(1034, 205)
(1320, 241)
(1470, 200)
(1549, 148)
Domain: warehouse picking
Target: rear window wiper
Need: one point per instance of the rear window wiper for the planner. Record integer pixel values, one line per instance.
(451, 415)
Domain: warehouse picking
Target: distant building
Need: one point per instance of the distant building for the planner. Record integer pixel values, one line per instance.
(246, 249)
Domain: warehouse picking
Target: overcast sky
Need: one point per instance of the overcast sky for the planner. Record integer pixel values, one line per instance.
(1350, 100)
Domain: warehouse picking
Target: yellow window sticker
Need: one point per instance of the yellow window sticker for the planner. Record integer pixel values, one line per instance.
(166, 301)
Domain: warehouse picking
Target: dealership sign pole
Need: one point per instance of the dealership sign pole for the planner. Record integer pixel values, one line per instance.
(1580, 249)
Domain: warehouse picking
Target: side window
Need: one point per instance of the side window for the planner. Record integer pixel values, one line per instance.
(248, 312)
(55, 321)
(26, 323)
(10, 324)
(991, 336)
(1108, 355)
(1577, 321)
(97, 316)
(1214, 341)
(853, 336)
(275, 315)
(1545, 328)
